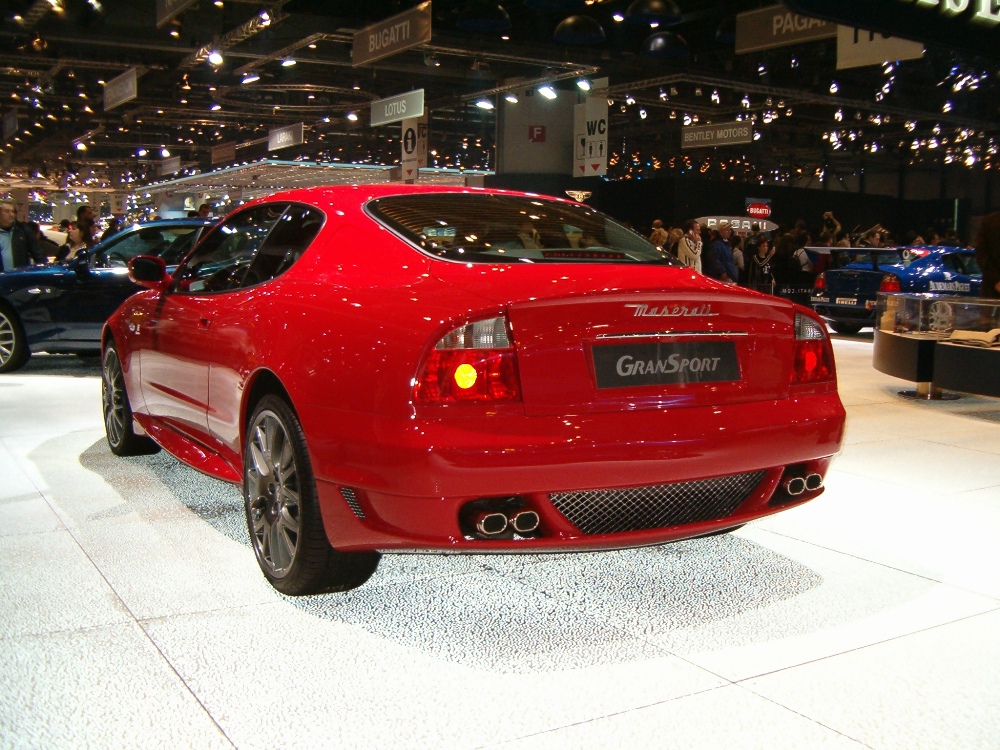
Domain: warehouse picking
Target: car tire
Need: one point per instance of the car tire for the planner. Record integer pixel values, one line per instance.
(14, 350)
(118, 427)
(846, 329)
(282, 509)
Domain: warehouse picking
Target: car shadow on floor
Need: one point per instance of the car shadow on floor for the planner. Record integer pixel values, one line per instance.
(507, 613)
(73, 365)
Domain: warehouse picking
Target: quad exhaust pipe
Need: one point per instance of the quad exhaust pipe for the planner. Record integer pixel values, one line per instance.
(491, 523)
(797, 485)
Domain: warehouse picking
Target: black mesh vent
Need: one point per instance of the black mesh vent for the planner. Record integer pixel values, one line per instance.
(656, 506)
(352, 499)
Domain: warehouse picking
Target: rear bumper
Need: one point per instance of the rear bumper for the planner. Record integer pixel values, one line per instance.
(411, 477)
(862, 313)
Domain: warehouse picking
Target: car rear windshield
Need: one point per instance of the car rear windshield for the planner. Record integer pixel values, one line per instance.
(490, 228)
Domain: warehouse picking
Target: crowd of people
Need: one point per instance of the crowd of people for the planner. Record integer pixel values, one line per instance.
(786, 258)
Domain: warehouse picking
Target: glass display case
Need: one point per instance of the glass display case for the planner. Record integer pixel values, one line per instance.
(933, 316)
(939, 343)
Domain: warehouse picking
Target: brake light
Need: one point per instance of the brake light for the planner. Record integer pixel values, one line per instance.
(890, 283)
(472, 363)
(820, 283)
(813, 354)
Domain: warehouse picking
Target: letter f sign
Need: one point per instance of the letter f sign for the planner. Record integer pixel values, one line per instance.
(536, 133)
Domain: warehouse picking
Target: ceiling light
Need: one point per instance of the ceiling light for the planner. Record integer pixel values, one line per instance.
(288, 62)
(511, 97)
(251, 77)
(629, 99)
(352, 117)
(618, 17)
(215, 107)
(484, 104)
(80, 146)
(265, 18)
(642, 113)
(175, 33)
(164, 153)
(547, 91)
(215, 57)
(583, 84)
(141, 152)
(834, 88)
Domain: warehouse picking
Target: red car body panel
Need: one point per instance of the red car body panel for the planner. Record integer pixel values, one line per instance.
(345, 330)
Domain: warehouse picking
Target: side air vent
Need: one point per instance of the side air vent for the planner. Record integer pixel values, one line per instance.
(352, 500)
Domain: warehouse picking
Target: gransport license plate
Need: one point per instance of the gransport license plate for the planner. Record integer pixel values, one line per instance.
(626, 365)
(846, 301)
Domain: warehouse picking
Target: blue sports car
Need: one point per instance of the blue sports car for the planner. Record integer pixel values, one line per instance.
(845, 296)
(61, 307)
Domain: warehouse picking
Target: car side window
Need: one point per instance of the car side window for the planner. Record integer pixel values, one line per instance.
(140, 242)
(952, 262)
(291, 235)
(220, 262)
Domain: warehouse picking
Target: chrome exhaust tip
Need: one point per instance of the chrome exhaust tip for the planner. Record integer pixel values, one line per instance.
(814, 482)
(491, 524)
(795, 486)
(524, 521)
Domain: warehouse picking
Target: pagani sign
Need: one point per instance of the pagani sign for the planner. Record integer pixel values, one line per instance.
(969, 25)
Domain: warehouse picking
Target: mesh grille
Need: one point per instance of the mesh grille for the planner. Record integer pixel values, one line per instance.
(656, 506)
(352, 499)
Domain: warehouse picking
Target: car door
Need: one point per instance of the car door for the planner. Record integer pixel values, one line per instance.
(955, 279)
(175, 360)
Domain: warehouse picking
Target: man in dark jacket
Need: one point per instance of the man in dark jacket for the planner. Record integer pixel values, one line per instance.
(17, 246)
(718, 262)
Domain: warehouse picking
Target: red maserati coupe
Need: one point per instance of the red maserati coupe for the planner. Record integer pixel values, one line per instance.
(399, 368)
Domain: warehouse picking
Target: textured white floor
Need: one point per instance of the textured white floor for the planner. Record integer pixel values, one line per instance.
(132, 613)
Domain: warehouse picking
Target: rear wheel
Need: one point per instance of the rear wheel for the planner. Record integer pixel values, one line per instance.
(847, 329)
(13, 344)
(282, 510)
(118, 411)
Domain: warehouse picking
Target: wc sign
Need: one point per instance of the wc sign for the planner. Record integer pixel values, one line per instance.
(590, 137)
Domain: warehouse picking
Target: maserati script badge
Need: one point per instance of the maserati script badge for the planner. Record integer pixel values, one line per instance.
(675, 311)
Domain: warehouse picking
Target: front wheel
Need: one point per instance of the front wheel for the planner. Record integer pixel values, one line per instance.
(846, 329)
(282, 510)
(118, 426)
(13, 344)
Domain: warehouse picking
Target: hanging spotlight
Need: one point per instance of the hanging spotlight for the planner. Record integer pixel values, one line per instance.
(697, 91)
(251, 77)
(583, 84)
(165, 153)
(629, 99)
(663, 95)
(715, 96)
(834, 88)
(215, 107)
(352, 117)
(141, 152)
(215, 58)
(547, 91)
(511, 97)
(484, 104)
(288, 62)
(642, 113)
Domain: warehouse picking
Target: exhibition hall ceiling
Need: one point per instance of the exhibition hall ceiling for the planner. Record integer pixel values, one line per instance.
(285, 62)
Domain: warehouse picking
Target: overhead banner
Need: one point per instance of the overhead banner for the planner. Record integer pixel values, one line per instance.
(398, 108)
(224, 153)
(414, 138)
(122, 89)
(590, 137)
(857, 48)
(723, 134)
(393, 35)
(972, 26)
(167, 10)
(291, 135)
(9, 123)
(740, 224)
(171, 165)
(776, 26)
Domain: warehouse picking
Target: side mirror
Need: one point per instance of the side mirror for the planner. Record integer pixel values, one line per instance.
(81, 263)
(149, 271)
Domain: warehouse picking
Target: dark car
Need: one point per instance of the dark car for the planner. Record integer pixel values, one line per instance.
(845, 297)
(62, 307)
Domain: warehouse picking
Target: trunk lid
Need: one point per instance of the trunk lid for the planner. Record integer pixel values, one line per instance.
(657, 337)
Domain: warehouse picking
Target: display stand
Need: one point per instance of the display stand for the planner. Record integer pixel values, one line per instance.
(912, 343)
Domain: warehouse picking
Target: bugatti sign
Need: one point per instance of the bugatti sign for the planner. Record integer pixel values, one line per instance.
(759, 210)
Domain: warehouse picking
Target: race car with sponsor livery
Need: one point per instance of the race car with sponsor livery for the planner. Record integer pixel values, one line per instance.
(845, 296)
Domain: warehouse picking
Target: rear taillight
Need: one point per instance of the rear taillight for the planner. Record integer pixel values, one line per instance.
(890, 283)
(472, 363)
(820, 283)
(813, 357)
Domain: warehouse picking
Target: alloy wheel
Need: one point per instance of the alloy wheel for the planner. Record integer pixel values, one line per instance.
(272, 486)
(7, 339)
(113, 397)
